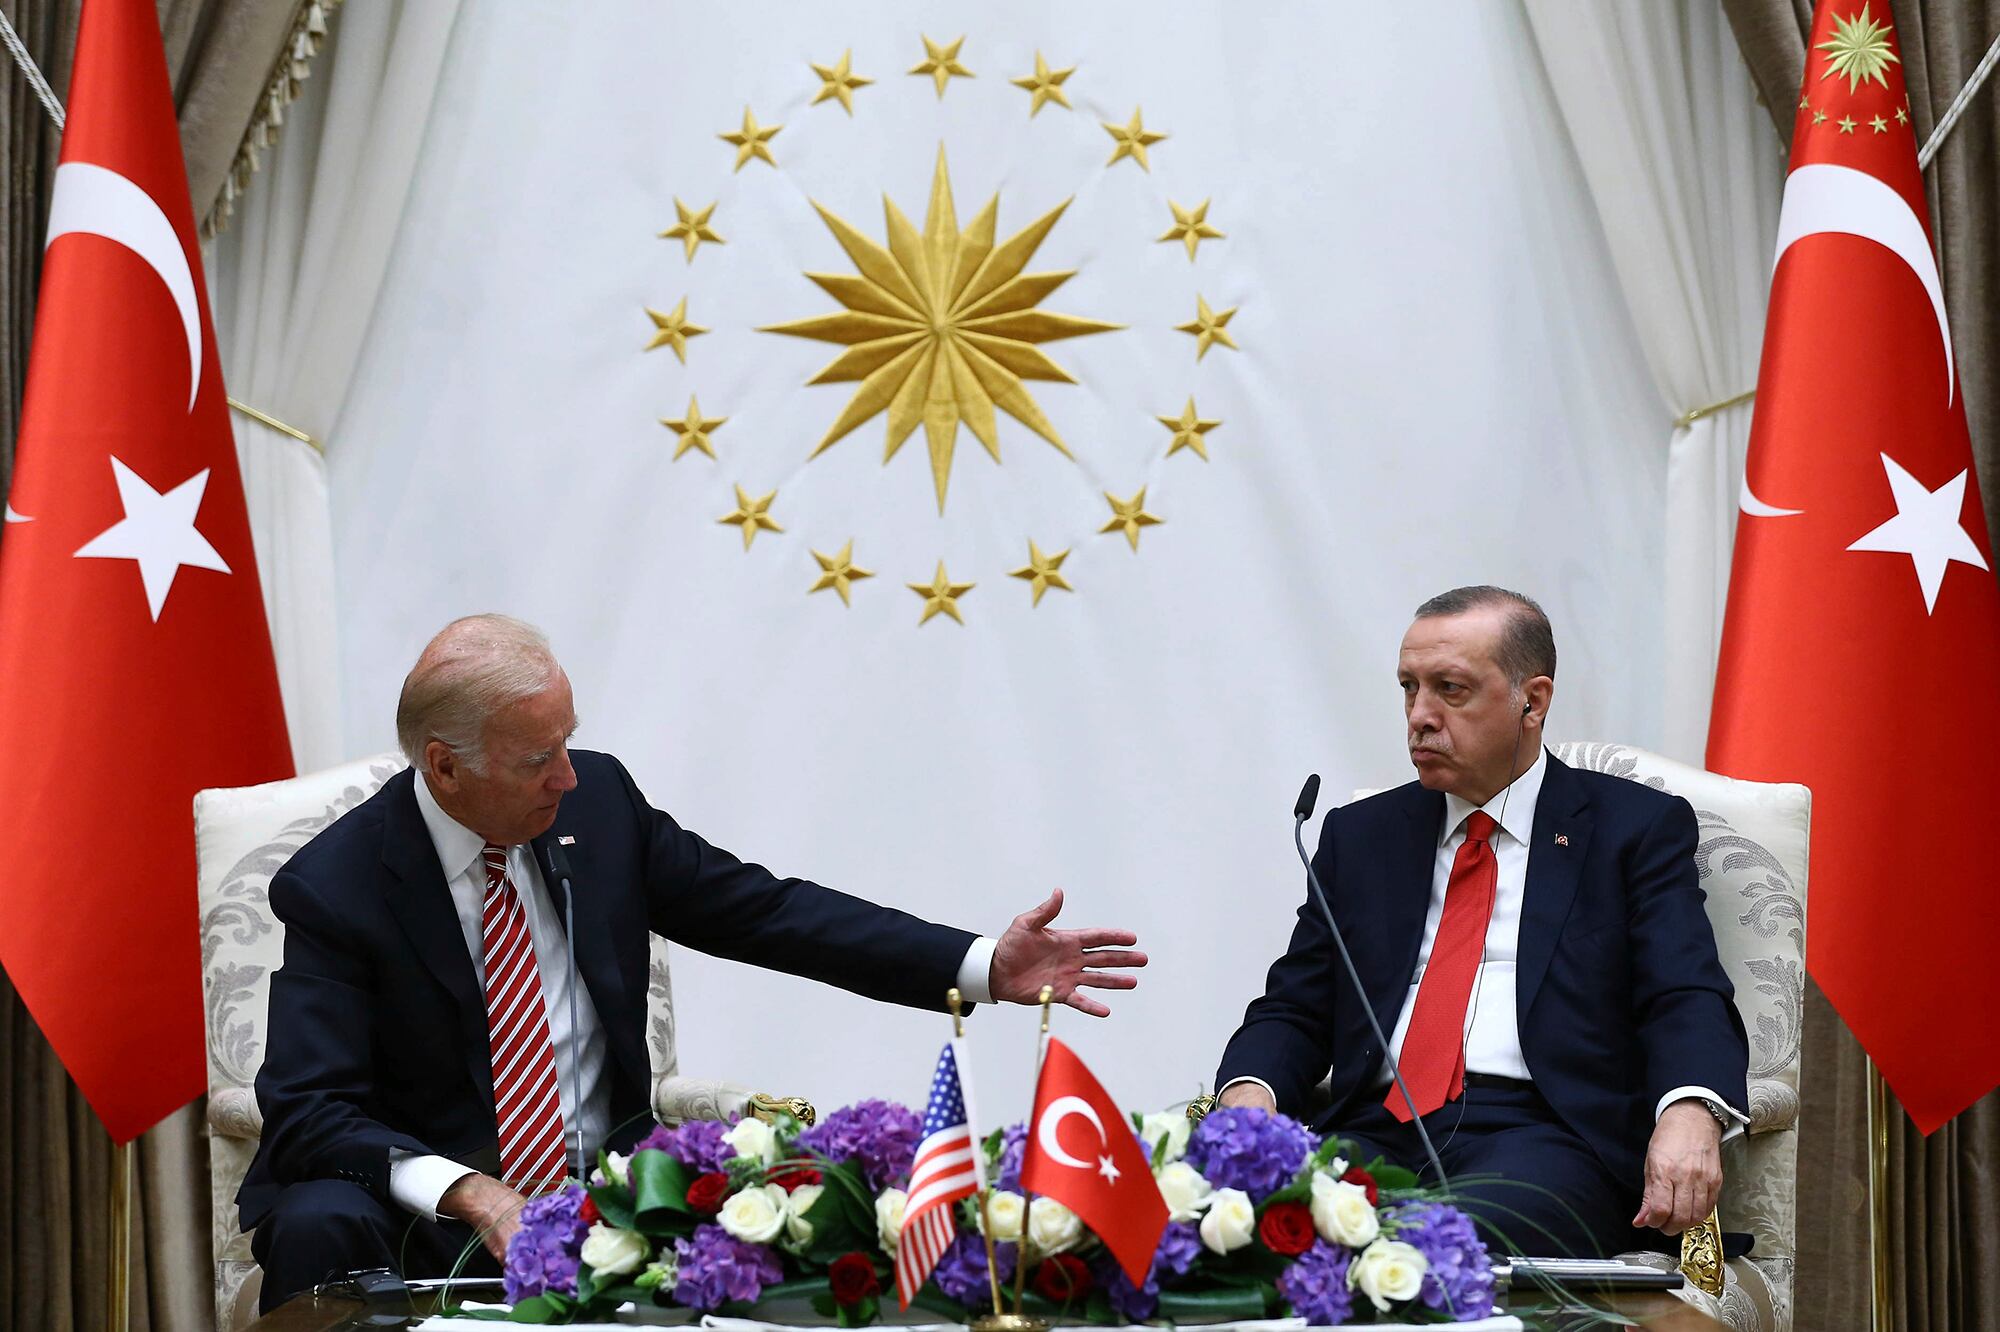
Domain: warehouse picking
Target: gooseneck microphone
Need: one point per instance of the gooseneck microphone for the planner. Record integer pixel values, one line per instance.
(560, 872)
(1308, 797)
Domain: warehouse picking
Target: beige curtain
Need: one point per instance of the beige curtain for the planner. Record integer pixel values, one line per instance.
(55, 1162)
(1944, 1190)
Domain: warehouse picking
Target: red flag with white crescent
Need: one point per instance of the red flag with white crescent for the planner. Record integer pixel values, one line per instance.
(1082, 1152)
(1863, 595)
(135, 661)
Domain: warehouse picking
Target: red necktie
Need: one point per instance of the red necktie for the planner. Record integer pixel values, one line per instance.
(526, 1104)
(1433, 1058)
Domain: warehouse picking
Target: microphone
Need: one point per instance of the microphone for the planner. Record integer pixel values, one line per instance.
(559, 871)
(1308, 797)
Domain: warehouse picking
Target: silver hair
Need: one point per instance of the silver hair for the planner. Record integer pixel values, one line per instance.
(1527, 644)
(475, 667)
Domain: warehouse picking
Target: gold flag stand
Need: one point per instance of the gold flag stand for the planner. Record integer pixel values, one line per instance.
(1878, 1195)
(1017, 1321)
(118, 1308)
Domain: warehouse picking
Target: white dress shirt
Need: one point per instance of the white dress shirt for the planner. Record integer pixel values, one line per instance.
(1492, 1019)
(418, 1182)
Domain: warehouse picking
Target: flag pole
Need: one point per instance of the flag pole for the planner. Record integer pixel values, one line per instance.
(956, 1002)
(1878, 1194)
(1047, 996)
(118, 1310)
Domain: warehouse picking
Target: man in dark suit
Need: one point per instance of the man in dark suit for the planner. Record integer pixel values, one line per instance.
(1532, 938)
(425, 1067)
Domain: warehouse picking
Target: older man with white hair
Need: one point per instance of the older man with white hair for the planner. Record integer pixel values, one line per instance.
(426, 1065)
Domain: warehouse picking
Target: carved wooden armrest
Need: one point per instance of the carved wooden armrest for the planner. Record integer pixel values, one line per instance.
(234, 1113)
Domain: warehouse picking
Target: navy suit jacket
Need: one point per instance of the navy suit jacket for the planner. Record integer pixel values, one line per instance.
(378, 1035)
(1620, 996)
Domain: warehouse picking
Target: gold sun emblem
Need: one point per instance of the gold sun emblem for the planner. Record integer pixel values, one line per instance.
(1858, 50)
(940, 327)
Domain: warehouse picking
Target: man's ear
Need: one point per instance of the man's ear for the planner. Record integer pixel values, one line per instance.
(442, 766)
(1537, 694)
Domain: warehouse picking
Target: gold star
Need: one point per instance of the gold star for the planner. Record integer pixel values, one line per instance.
(940, 594)
(673, 330)
(1805, 104)
(692, 228)
(941, 328)
(1879, 125)
(1191, 225)
(1818, 116)
(840, 81)
(1041, 571)
(1902, 116)
(1189, 431)
(753, 140)
(941, 63)
(1209, 328)
(1132, 138)
(1046, 85)
(752, 515)
(1128, 516)
(837, 571)
(693, 429)
(1858, 49)
(1846, 124)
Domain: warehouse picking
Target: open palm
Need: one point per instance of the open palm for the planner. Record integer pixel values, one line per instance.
(1030, 955)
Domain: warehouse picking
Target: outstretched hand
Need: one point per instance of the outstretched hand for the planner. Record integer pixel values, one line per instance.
(1030, 955)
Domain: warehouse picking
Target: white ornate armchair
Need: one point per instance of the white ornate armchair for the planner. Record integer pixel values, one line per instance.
(242, 837)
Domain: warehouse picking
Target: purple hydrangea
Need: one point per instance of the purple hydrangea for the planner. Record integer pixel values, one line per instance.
(1249, 1149)
(1460, 1279)
(697, 1144)
(1316, 1285)
(715, 1267)
(880, 1135)
(542, 1255)
(1179, 1247)
(961, 1272)
(1013, 1142)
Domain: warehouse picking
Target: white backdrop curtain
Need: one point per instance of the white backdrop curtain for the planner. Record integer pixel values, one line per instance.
(1685, 173)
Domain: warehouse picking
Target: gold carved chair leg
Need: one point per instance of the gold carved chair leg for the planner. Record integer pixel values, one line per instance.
(1701, 1254)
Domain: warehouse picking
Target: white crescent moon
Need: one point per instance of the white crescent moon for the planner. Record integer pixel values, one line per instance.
(1046, 1132)
(98, 201)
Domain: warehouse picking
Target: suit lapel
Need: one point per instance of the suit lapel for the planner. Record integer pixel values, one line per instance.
(421, 902)
(1556, 850)
(1413, 861)
(598, 938)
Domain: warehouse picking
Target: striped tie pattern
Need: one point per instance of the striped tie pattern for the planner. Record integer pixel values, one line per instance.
(526, 1103)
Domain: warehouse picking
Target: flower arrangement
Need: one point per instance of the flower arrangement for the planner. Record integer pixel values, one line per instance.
(1265, 1219)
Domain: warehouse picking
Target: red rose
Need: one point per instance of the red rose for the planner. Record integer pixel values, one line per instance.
(589, 1210)
(705, 1195)
(789, 1180)
(1062, 1278)
(852, 1279)
(1287, 1228)
(1356, 1175)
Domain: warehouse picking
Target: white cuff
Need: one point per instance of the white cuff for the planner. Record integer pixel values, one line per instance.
(417, 1183)
(1703, 1094)
(975, 972)
(1258, 1081)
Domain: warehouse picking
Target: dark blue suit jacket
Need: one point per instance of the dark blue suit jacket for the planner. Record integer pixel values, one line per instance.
(378, 1036)
(1619, 993)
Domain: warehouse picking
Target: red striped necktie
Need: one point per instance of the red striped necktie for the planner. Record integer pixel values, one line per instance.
(1433, 1059)
(526, 1104)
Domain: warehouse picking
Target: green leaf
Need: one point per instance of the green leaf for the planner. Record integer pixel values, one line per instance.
(623, 1293)
(544, 1308)
(659, 1189)
(824, 1306)
(614, 1202)
(1211, 1306)
(1393, 1177)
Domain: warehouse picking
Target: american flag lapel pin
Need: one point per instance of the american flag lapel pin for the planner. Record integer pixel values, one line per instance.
(567, 840)
(1562, 839)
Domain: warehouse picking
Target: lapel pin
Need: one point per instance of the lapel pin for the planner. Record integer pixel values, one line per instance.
(1562, 839)
(567, 840)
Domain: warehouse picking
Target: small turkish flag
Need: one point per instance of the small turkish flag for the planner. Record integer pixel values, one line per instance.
(135, 663)
(1862, 641)
(1083, 1153)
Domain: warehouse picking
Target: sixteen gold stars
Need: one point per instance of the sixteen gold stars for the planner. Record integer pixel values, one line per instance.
(693, 430)
(1133, 139)
(940, 595)
(840, 82)
(941, 63)
(1043, 572)
(1190, 431)
(753, 140)
(1191, 225)
(1045, 85)
(673, 330)
(1129, 515)
(1209, 328)
(838, 571)
(691, 228)
(752, 515)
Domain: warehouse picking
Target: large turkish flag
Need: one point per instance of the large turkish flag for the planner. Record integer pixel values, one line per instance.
(1861, 652)
(135, 663)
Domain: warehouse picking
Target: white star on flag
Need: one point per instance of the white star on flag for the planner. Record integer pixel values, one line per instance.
(1107, 1168)
(158, 531)
(1926, 528)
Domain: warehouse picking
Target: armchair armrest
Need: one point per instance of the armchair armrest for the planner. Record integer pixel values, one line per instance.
(676, 1099)
(234, 1113)
(1773, 1106)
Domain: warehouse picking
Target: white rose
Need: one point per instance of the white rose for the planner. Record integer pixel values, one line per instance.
(1169, 1127)
(1052, 1227)
(609, 1251)
(1230, 1222)
(754, 1215)
(796, 1206)
(1342, 1213)
(755, 1139)
(1336, 1167)
(1388, 1270)
(618, 1167)
(1006, 1211)
(1186, 1192)
(889, 1206)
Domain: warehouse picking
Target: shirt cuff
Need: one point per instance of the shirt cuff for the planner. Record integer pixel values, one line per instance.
(1255, 1081)
(1704, 1094)
(418, 1183)
(975, 973)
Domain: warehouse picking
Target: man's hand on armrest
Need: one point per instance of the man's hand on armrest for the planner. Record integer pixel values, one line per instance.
(1683, 1168)
(491, 1208)
(1248, 1092)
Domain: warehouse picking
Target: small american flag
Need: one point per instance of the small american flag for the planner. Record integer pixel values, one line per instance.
(948, 1167)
